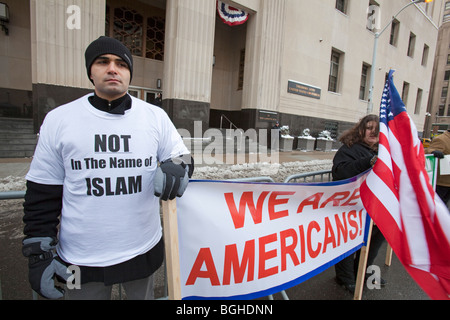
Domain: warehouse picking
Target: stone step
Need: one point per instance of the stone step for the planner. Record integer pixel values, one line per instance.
(9, 135)
(17, 147)
(17, 138)
(18, 141)
(16, 125)
(16, 154)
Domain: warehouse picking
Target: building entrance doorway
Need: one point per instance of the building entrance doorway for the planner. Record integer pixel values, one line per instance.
(151, 96)
(228, 72)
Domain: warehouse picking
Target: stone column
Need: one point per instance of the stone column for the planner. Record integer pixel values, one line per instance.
(60, 32)
(264, 54)
(189, 47)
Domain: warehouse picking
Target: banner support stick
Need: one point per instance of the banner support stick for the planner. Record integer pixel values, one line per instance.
(362, 265)
(172, 248)
(388, 260)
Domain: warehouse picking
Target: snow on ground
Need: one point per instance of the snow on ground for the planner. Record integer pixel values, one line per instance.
(278, 172)
(12, 183)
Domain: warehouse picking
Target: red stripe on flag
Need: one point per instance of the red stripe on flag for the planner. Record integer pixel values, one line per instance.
(434, 286)
(385, 173)
(379, 213)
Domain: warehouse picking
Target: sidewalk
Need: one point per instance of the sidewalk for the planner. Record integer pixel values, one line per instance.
(14, 167)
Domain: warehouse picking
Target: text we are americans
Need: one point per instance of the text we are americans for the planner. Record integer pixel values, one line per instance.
(275, 252)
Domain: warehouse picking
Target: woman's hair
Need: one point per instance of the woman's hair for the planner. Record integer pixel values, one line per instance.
(356, 134)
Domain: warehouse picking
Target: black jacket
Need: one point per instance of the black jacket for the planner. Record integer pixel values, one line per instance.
(351, 161)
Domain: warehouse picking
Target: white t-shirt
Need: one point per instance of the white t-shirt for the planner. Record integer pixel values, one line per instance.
(106, 163)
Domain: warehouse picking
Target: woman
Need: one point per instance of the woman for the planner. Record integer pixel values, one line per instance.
(358, 154)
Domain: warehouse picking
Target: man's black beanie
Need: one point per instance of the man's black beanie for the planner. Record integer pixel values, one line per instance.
(106, 45)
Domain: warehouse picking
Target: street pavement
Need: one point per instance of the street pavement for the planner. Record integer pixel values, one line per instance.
(13, 266)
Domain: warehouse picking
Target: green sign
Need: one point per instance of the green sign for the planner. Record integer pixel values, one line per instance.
(304, 89)
(431, 165)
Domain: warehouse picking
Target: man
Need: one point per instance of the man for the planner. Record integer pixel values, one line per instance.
(440, 147)
(96, 168)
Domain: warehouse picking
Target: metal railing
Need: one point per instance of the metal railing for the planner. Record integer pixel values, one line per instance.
(310, 177)
(12, 195)
(257, 179)
(231, 131)
(232, 125)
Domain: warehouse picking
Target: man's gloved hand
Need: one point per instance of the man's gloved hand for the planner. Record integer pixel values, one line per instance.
(171, 179)
(43, 265)
(438, 154)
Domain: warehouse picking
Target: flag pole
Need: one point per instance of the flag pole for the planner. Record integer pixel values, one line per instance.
(389, 252)
(363, 265)
(171, 246)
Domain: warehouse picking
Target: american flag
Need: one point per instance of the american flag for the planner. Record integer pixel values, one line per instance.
(398, 196)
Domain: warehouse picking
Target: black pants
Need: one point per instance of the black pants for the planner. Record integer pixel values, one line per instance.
(347, 268)
(444, 193)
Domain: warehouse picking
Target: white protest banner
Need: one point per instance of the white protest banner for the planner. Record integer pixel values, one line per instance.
(445, 165)
(250, 240)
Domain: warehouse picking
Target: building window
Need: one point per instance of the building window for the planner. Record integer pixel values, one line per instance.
(418, 101)
(241, 69)
(395, 27)
(341, 5)
(363, 86)
(441, 110)
(447, 5)
(405, 93)
(446, 17)
(448, 59)
(426, 50)
(128, 29)
(143, 33)
(155, 38)
(447, 75)
(411, 45)
(444, 93)
(334, 71)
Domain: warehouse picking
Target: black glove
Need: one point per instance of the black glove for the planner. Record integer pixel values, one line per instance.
(438, 154)
(171, 179)
(43, 265)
